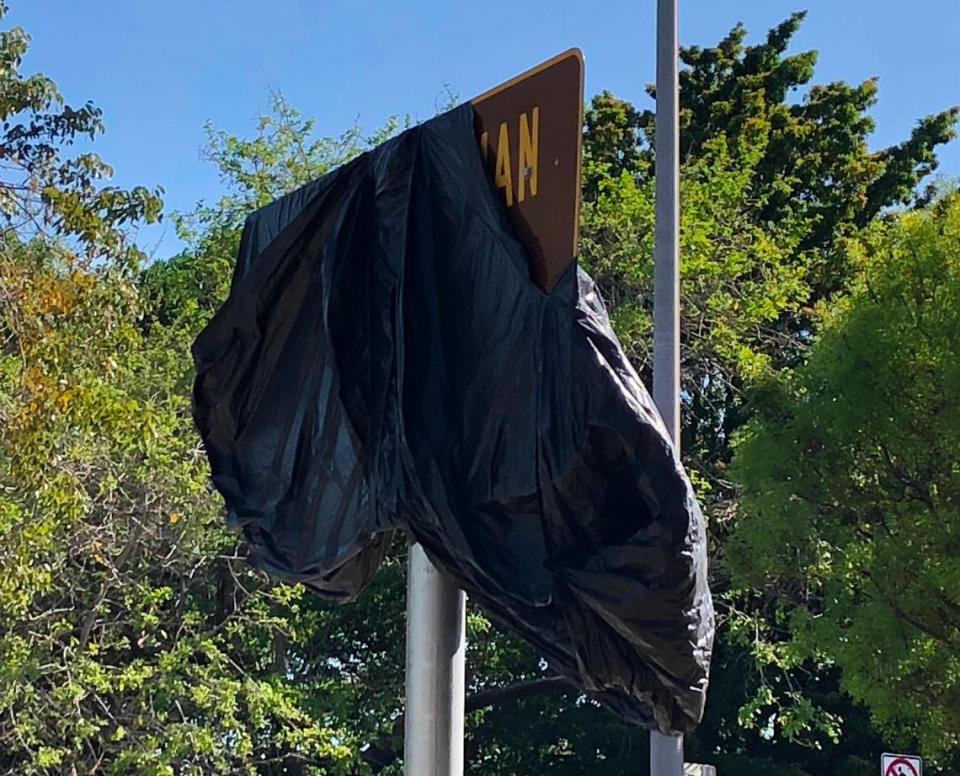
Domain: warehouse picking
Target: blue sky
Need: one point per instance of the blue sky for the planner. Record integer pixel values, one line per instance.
(160, 69)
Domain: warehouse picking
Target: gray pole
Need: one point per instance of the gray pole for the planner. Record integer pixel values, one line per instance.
(436, 639)
(666, 752)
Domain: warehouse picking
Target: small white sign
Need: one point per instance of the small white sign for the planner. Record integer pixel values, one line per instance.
(900, 765)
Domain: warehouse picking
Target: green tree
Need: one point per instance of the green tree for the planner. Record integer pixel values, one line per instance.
(817, 163)
(804, 178)
(44, 191)
(851, 523)
(133, 637)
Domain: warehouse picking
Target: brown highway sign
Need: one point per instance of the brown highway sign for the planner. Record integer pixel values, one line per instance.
(530, 131)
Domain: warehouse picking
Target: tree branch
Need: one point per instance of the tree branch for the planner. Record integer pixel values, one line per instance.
(385, 751)
(498, 696)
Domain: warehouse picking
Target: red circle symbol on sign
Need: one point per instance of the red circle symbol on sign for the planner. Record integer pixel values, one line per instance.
(911, 771)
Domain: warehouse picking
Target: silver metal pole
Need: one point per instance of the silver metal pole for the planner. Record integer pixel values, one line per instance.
(666, 281)
(666, 752)
(666, 755)
(436, 639)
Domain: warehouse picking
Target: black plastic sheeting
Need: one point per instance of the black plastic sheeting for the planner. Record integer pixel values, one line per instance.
(384, 361)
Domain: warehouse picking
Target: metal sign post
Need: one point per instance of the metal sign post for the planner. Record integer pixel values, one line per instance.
(666, 752)
(436, 644)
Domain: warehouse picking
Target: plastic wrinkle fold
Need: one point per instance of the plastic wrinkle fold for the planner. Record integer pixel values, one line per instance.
(384, 362)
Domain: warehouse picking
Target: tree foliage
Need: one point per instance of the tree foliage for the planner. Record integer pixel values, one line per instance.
(851, 510)
(133, 637)
(44, 191)
(771, 188)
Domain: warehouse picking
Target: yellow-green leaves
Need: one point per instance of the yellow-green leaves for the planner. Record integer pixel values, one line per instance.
(852, 493)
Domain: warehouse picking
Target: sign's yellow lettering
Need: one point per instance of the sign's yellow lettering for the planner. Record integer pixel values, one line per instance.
(539, 114)
(502, 176)
(528, 157)
(529, 154)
